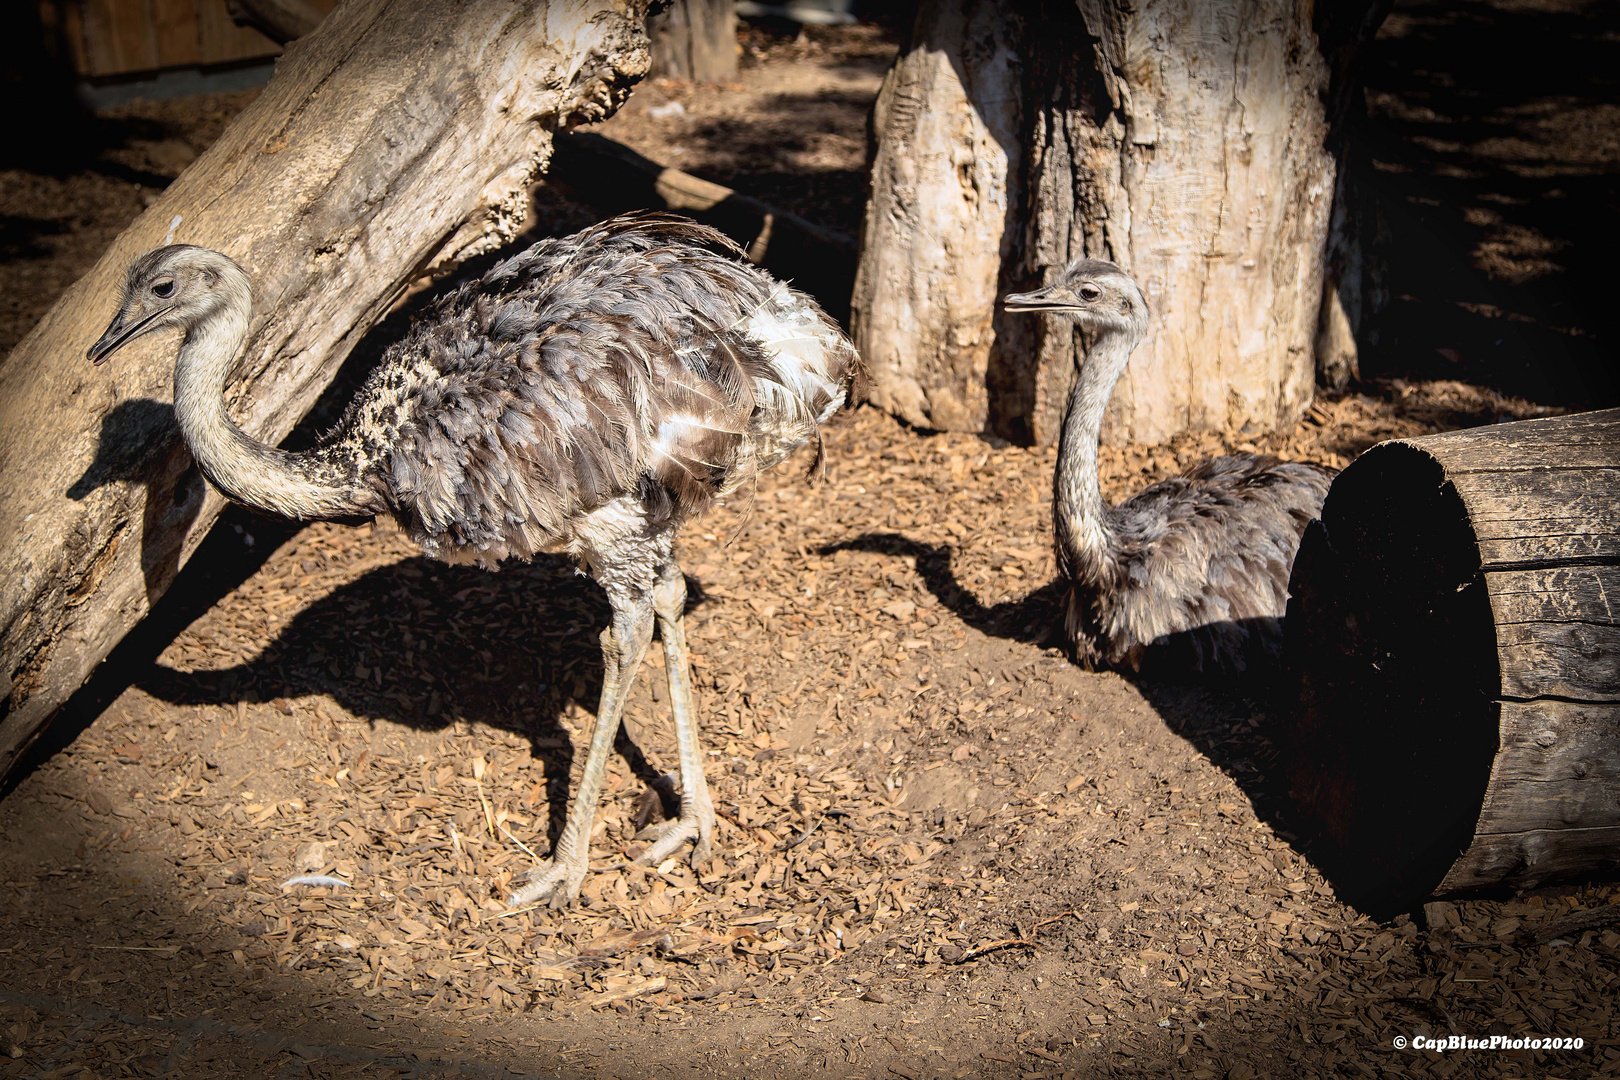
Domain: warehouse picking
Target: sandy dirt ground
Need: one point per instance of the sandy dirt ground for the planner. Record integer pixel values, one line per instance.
(944, 851)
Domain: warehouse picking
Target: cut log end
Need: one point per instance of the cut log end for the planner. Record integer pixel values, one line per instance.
(1394, 661)
(1456, 662)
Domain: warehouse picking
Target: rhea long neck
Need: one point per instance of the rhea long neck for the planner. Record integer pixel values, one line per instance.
(293, 485)
(1081, 520)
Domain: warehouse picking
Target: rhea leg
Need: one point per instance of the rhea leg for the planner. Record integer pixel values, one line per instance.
(623, 646)
(696, 822)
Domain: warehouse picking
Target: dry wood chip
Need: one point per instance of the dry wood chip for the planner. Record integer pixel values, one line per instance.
(398, 769)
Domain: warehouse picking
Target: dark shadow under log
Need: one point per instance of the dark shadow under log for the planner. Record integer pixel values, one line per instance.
(1456, 660)
(613, 178)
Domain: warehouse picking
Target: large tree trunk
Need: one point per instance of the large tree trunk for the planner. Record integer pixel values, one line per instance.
(941, 217)
(400, 136)
(695, 39)
(1183, 140)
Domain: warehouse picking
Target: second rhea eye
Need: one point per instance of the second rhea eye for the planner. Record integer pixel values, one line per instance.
(163, 288)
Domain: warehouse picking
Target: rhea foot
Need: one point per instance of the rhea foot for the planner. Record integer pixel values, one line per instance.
(666, 837)
(557, 879)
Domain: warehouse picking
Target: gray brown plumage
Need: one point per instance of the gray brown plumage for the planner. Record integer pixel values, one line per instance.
(587, 395)
(1191, 572)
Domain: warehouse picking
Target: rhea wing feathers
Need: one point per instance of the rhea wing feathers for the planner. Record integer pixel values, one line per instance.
(636, 356)
(1208, 554)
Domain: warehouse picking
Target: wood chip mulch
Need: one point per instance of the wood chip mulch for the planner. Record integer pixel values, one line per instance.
(930, 821)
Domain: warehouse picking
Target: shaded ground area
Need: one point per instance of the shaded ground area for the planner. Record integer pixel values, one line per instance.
(1496, 170)
(945, 851)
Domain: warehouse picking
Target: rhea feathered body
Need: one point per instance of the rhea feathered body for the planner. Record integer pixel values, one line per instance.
(625, 364)
(587, 395)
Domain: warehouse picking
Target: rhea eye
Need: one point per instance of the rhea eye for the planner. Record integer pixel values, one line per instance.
(1089, 291)
(163, 288)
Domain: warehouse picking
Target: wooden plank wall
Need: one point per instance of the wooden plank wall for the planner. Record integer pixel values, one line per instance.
(125, 37)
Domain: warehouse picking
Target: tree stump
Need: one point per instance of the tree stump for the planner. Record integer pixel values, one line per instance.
(1453, 637)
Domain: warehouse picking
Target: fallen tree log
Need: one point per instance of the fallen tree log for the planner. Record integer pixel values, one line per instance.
(613, 178)
(395, 139)
(1454, 645)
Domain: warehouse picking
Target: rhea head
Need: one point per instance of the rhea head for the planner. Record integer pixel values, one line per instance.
(1092, 292)
(179, 285)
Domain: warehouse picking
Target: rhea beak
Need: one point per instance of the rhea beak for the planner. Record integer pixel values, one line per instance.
(124, 328)
(1051, 298)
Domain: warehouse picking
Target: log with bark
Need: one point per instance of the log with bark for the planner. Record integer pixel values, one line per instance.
(394, 140)
(1182, 139)
(1454, 645)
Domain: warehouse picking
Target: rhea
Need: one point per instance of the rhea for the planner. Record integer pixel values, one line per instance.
(586, 396)
(1191, 572)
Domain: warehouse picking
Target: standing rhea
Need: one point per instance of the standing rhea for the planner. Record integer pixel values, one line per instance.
(587, 395)
(1198, 563)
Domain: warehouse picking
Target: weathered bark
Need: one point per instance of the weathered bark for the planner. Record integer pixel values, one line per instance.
(396, 138)
(1184, 141)
(614, 179)
(1457, 663)
(695, 39)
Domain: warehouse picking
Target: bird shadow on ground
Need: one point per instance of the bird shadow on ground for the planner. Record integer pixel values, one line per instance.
(1032, 619)
(1231, 722)
(140, 444)
(425, 644)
